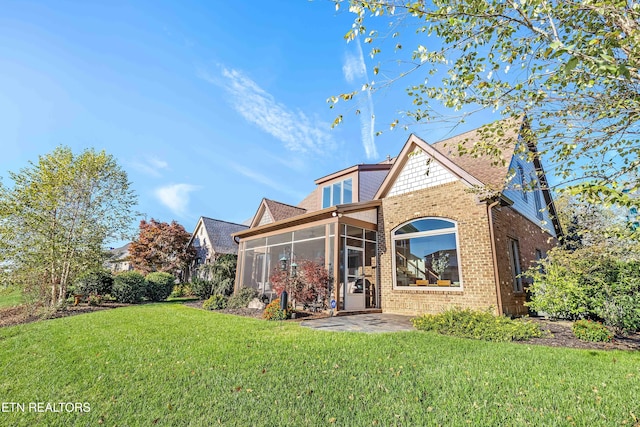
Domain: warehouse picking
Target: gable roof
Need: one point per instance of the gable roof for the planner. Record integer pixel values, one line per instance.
(457, 156)
(489, 170)
(219, 234)
(276, 211)
(119, 254)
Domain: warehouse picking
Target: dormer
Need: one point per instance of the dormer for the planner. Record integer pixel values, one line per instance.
(355, 184)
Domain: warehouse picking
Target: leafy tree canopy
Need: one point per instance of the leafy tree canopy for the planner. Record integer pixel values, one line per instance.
(161, 246)
(57, 216)
(571, 66)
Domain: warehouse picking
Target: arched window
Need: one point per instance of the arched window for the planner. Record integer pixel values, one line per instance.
(425, 254)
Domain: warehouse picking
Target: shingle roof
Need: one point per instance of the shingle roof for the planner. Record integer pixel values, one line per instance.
(120, 253)
(491, 171)
(281, 211)
(219, 234)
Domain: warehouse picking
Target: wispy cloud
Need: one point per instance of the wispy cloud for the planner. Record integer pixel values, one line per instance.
(294, 128)
(266, 181)
(354, 70)
(150, 166)
(175, 197)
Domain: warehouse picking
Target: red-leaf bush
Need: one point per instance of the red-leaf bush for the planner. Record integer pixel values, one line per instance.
(310, 284)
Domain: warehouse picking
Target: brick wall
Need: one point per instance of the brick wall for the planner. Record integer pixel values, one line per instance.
(451, 201)
(509, 224)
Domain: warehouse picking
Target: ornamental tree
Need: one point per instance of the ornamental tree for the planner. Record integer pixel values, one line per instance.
(309, 284)
(161, 246)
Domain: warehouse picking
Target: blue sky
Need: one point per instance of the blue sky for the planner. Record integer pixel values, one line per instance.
(209, 106)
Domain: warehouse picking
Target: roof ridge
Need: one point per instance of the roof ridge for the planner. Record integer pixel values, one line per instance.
(222, 220)
(515, 119)
(284, 204)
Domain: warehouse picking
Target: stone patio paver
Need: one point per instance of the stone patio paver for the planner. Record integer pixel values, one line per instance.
(372, 323)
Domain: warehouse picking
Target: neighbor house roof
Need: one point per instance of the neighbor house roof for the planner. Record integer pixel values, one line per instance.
(119, 254)
(219, 234)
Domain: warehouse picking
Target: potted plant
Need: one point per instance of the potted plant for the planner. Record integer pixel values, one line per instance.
(439, 265)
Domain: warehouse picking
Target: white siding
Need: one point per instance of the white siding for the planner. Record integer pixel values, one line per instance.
(266, 218)
(419, 173)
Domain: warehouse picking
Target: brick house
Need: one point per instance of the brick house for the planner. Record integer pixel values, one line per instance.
(428, 230)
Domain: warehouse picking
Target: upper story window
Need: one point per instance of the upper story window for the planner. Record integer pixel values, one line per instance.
(538, 200)
(337, 193)
(523, 182)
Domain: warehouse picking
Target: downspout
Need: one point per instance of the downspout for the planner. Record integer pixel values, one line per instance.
(494, 256)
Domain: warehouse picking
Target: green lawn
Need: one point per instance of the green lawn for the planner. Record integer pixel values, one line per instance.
(10, 298)
(168, 364)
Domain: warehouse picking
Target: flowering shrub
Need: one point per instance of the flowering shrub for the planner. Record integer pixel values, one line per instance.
(274, 312)
(480, 325)
(587, 330)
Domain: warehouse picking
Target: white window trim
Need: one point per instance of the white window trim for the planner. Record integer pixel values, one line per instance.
(453, 229)
(516, 269)
(330, 187)
(523, 183)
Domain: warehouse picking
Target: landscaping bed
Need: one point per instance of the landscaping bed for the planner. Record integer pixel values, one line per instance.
(559, 332)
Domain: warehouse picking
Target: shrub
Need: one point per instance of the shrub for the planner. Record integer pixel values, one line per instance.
(95, 300)
(273, 311)
(587, 330)
(480, 325)
(558, 290)
(177, 292)
(619, 298)
(129, 287)
(181, 290)
(159, 286)
(99, 282)
(242, 298)
(215, 302)
(577, 285)
(201, 288)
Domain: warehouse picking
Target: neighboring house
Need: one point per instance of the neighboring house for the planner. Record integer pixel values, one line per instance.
(212, 238)
(414, 234)
(118, 260)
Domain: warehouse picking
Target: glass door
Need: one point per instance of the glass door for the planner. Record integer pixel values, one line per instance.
(354, 282)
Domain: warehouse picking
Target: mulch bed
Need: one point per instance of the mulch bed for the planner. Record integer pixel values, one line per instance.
(18, 315)
(557, 333)
(257, 313)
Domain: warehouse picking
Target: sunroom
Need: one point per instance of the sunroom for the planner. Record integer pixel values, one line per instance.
(341, 238)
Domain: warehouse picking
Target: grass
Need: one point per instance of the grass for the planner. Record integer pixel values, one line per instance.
(10, 297)
(168, 364)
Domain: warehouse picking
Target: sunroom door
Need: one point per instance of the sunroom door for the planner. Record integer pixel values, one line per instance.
(354, 283)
